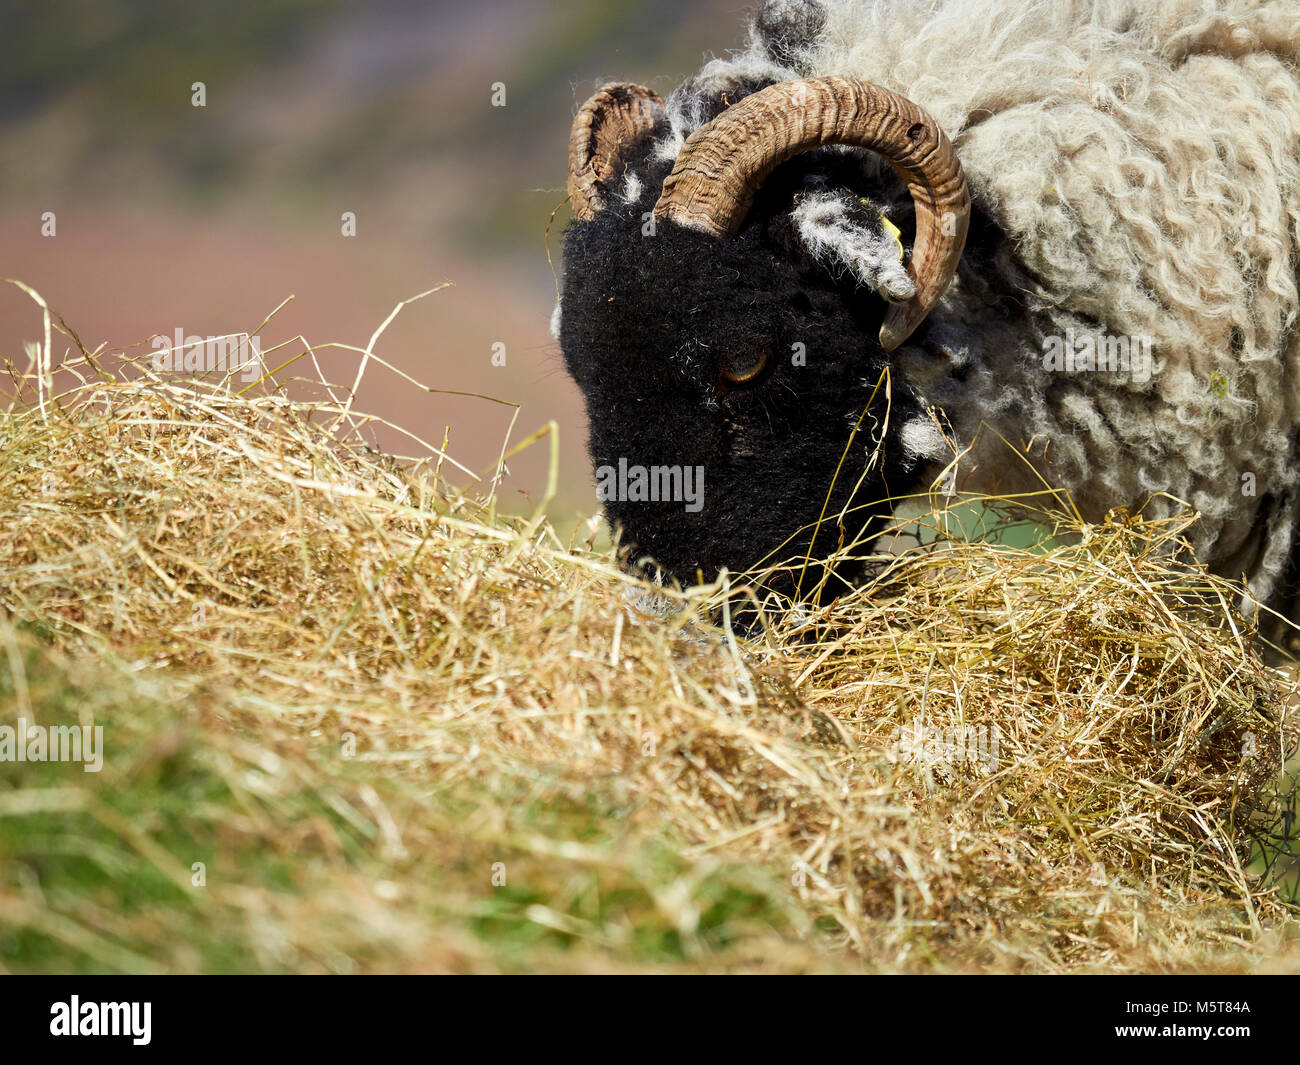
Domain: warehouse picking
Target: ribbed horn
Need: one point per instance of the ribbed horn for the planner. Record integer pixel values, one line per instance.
(613, 118)
(723, 164)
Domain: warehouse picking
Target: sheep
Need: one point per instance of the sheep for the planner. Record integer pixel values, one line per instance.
(1071, 226)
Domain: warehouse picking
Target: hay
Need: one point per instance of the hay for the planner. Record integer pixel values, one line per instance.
(992, 758)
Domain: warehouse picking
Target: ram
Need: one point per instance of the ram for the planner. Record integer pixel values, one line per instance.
(887, 232)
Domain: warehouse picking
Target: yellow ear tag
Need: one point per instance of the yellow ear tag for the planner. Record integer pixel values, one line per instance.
(889, 228)
(894, 232)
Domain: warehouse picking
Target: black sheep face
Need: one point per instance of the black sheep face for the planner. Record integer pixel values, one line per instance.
(725, 375)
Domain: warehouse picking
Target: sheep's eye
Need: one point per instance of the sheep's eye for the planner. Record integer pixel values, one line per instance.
(742, 368)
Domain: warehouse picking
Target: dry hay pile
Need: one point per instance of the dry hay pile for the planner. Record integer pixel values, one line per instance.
(991, 758)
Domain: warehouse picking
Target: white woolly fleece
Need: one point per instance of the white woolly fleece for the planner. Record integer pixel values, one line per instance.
(872, 257)
(1143, 158)
(631, 188)
(923, 439)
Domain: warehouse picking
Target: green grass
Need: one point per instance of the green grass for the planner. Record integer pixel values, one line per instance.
(99, 871)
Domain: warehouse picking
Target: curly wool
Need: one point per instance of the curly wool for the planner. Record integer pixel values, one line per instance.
(1142, 160)
(862, 246)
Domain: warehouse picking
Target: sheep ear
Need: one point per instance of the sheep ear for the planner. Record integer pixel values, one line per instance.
(606, 125)
(848, 234)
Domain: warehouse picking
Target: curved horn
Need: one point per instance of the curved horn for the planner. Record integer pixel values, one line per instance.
(614, 117)
(722, 165)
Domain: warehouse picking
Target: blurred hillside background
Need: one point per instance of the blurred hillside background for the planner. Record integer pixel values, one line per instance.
(171, 216)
